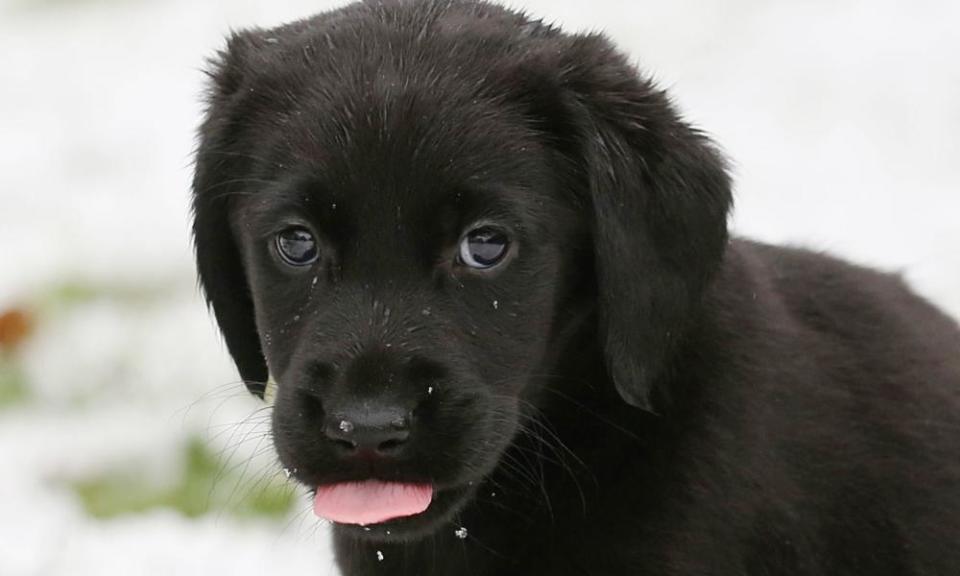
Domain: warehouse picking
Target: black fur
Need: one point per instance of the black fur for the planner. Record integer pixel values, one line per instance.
(633, 393)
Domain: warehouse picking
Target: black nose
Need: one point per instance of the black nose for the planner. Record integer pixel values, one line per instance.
(379, 430)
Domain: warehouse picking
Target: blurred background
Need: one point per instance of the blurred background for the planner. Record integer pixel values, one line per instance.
(127, 444)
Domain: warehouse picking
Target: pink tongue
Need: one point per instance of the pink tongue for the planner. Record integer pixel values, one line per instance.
(371, 502)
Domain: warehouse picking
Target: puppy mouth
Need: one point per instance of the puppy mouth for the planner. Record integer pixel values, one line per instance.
(371, 501)
(387, 510)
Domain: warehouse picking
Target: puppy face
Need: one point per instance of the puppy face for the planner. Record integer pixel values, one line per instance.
(411, 268)
(402, 210)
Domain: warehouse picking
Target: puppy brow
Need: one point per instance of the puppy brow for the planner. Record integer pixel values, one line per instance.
(269, 210)
(285, 194)
(516, 206)
(499, 203)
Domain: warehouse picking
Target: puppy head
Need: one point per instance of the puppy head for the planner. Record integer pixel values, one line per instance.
(398, 207)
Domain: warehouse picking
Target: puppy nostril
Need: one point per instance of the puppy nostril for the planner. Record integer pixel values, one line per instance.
(392, 445)
(396, 436)
(345, 445)
(379, 432)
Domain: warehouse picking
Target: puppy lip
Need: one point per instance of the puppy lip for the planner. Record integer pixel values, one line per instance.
(371, 502)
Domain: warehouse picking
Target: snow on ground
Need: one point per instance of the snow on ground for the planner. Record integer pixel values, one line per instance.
(841, 118)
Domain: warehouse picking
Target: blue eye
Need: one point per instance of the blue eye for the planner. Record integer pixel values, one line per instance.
(297, 246)
(484, 247)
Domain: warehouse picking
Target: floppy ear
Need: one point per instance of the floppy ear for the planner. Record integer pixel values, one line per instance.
(219, 263)
(659, 194)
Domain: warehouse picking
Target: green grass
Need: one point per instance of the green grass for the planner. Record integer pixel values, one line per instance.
(13, 386)
(206, 487)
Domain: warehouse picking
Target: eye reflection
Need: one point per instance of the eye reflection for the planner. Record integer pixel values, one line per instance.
(484, 247)
(297, 246)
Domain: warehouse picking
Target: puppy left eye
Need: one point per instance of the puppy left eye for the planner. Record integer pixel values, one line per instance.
(484, 247)
(297, 246)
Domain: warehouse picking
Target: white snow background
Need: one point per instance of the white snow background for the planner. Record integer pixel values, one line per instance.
(842, 118)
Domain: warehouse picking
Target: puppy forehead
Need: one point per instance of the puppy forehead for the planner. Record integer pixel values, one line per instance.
(420, 134)
(392, 86)
(413, 150)
(398, 126)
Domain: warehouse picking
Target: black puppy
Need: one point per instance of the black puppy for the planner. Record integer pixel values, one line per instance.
(487, 264)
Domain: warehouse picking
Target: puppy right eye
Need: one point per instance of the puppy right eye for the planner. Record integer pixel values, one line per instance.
(297, 246)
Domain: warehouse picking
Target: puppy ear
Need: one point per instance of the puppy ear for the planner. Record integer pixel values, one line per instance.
(660, 196)
(219, 263)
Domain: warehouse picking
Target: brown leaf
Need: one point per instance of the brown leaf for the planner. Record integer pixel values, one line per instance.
(16, 325)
